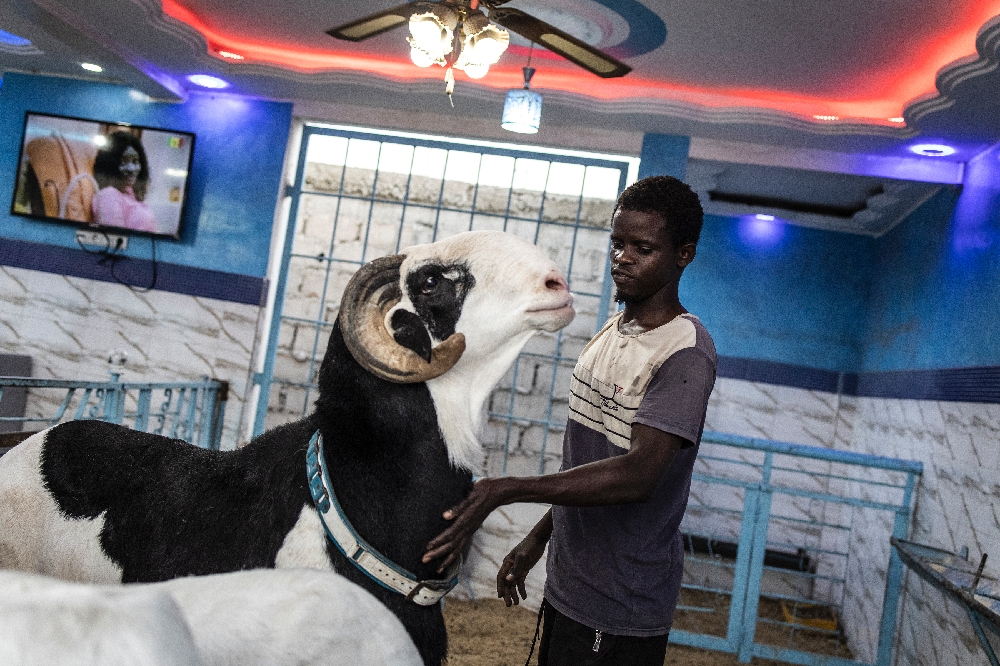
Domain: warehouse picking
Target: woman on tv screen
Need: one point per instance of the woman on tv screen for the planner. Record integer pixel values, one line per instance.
(123, 174)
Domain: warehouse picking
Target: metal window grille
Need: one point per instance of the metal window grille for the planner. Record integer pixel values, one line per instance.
(359, 195)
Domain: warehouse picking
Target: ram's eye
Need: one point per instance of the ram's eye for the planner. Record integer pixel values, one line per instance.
(429, 284)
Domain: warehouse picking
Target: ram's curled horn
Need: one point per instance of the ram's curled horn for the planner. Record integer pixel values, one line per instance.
(369, 296)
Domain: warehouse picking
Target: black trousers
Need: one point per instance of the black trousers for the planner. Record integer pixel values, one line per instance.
(566, 642)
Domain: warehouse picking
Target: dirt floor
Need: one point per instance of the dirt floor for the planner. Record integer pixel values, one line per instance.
(487, 633)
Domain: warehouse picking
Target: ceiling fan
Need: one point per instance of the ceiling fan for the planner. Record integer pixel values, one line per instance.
(433, 27)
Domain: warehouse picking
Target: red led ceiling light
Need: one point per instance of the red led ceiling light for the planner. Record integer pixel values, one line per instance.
(896, 88)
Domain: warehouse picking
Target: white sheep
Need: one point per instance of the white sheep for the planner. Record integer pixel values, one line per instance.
(45, 622)
(292, 617)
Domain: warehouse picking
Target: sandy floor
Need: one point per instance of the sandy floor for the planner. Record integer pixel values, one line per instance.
(489, 634)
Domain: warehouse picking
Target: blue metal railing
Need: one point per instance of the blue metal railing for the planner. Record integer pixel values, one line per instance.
(190, 411)
(794, 530)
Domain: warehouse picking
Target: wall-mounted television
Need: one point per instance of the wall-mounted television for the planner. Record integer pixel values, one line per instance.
(104, 175)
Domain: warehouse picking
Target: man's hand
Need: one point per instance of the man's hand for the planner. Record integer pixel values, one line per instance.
(617, 480)
(467, 516)
(515, 568)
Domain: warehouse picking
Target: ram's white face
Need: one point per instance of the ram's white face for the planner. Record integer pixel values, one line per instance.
(454, 314)
(490, 286)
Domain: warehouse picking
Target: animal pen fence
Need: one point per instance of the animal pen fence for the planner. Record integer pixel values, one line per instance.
(190, 411)
(788, 552)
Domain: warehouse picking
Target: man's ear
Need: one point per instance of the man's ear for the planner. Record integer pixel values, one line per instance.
(409, 331)
(685, 254)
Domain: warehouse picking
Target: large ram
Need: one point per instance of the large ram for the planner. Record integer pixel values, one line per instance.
(420, 342)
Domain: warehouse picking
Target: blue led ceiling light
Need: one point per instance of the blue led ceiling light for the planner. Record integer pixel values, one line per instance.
(761, 231)
(13, 40)
(206, 81)
(932, 149)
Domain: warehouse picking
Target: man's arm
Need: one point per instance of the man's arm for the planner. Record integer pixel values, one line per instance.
(622, 479)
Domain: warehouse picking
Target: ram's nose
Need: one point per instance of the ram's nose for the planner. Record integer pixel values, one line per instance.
(556, 282)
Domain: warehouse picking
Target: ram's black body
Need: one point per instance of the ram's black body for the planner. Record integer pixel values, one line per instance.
(172, 510)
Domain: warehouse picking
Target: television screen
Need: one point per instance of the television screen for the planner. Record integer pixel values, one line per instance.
(106, 175)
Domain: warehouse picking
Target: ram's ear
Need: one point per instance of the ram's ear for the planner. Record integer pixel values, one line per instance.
(409, 331)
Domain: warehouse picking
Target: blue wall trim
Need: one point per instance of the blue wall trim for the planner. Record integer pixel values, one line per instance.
(782, 374)
(980, 385)
(952, 385)
(175, 278)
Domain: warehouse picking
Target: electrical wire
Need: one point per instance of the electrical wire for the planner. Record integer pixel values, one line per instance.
(111, 257)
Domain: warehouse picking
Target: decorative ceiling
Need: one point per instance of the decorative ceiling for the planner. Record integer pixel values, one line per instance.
(857, 82)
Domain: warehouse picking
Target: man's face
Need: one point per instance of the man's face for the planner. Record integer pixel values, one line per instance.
(644, 259)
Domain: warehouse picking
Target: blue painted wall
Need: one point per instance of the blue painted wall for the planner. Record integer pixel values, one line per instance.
(798, 296)
(936, 300)
(664, 155)
(235, 176)
(926, 296)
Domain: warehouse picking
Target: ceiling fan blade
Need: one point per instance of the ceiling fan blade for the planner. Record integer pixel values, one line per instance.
(376, 24)
(566, 45)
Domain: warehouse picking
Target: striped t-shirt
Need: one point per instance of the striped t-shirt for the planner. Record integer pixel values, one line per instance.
(618, 568)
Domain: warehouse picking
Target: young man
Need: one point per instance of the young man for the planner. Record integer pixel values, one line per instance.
(637, 408)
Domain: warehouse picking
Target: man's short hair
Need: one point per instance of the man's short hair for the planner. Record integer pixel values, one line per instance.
(671, 198)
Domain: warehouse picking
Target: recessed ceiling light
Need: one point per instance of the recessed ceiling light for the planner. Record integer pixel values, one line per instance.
(932, 149)
(91, 67)
(766, 218)
(230, 55)
(898, 119)
(827, 117)
(13, 40)
(206, 81)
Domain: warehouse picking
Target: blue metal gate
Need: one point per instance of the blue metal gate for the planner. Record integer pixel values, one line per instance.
(788, 552)
(362, 194)
(191, 411)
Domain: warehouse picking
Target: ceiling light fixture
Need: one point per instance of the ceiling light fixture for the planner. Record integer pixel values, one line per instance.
(231, 55)
(206, 81)
(932, 149)
(471, 35)
(897, 119)
(522, 110)
(91, 67)
(432, 40)
(827, 117)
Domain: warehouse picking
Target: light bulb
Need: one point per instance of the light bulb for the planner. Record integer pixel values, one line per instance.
(489, 45)
(482, 45)
(420, 57)
(431, 36)
(426, 30)
(475, 71)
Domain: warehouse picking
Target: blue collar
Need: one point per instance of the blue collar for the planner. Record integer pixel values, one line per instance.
(343, 535)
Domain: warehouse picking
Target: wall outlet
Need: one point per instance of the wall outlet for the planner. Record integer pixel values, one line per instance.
(102, 240)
